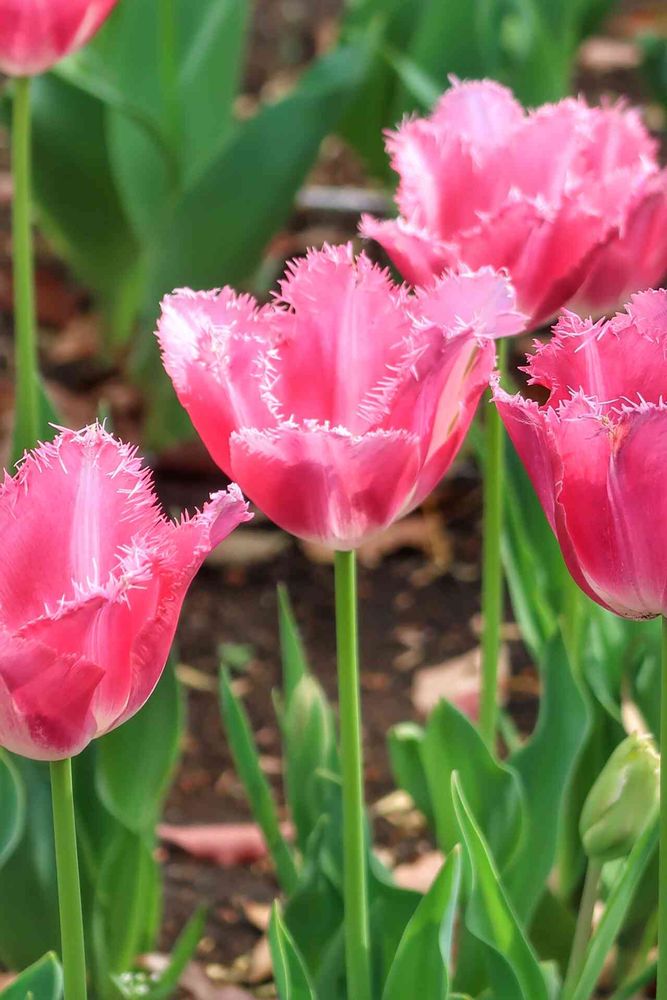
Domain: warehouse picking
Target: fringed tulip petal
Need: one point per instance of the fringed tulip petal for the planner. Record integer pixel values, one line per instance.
(92, 589)
(371, 389)
(568, 198)
(36, 34)
(595, 451)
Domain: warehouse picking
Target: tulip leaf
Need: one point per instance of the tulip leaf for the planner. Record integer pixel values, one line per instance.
(405, 744)
(12, 807)
(451, 743)
(391, 908)
(421, 965)
(42, 981)
(246, 761)
(289, 970)
(513, 967)
(136, 760)
(545, 766)
(616, 907)
(126, 906)
(292, 652)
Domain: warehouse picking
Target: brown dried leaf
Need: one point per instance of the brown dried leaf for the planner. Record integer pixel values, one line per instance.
(458, 680)
(419, 874)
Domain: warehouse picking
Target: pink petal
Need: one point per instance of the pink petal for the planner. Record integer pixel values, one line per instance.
(418, 255)
(217, 347)
(45, 700)
(104, 498)
(323, 484)
(35, 34)
(483, 112)
(479, 302)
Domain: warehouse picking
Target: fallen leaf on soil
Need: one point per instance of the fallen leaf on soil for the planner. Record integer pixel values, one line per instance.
(419, 874)
(256, 966)
(226, 844)
(457, 680)
(190, 677)
(257, 914)
(423, 532)
(249, 547)
(195, 981)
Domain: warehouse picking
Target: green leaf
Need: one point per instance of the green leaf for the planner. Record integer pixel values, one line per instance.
(546, 768)
(422, 960)
(291, 975)
(292, 653)
(12, 807)
(309, 737)
(451, 743)
(134, 794)
(405, 743)
(42, 981)
(513, 967)
(611, 921)
(246, 761)
(167, 983)
(223, 223)
(74, 188)
(126, 905)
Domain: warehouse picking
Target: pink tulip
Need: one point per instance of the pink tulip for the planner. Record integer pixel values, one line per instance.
(91, 585)
(569, 198)
(36, 34)
(339, 406)
(596, 451)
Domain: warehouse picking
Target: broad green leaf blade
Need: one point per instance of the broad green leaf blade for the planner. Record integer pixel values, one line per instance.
(246, 760)
(42, 981)
(30, 926)
(223, 223)
(546, 767)
(616, 907)
(292, 653)
(12, 807)
(166, 985)
(289, 970)
(405, 743)
(74, 190)
(421, 965)
(136, 761)
(452, 743)
(513, 966)
(126, 905)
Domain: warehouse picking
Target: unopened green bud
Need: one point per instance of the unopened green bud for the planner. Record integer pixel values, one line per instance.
(623, 801)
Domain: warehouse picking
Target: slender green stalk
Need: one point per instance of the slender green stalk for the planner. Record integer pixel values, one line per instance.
(357, 935)
(492, 572)
(662, 880)
(26, 426)
(582, 931)
(69, 889)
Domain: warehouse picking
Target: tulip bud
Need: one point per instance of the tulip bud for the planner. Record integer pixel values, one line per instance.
(623, 800)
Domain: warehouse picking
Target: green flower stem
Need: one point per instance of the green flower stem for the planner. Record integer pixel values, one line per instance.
(662, 880)
(69, 889)
(357, 934)
(26, 425)
(492, 572)
(582, 931)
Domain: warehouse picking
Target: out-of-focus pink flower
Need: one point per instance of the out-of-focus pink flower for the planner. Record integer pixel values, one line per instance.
(569, 198)
(36, 34)
(596, 452)
(339, 406)
(91, 585)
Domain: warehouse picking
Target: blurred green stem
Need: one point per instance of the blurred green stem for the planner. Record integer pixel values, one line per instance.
(357, 934)
(26, 421)
(492, 572)
(584, 925)
(662, 880)
(69, 888)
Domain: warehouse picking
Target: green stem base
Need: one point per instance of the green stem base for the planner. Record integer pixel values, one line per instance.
(69, 888)
(357, 933)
